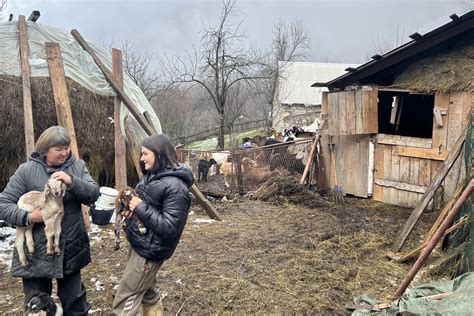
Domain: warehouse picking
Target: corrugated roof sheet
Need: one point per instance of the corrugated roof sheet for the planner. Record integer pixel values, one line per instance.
(294, 86)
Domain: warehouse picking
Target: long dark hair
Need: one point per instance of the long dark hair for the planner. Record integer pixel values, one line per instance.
(165, 154)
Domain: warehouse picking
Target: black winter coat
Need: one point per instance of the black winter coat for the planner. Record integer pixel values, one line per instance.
(163, 211)
(75, 248)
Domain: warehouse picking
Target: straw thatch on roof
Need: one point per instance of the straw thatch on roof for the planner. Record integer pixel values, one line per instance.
(449, 71)
(92, 115)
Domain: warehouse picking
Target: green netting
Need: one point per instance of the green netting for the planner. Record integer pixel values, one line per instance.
(462, 237)
(414, 302)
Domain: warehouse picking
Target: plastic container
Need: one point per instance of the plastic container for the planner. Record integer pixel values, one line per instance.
(101, 216)
(107, 198)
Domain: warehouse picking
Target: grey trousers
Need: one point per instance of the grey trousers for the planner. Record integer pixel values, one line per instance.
(138, 277)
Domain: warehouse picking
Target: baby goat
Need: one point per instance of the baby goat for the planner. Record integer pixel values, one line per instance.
(51, 202)
(122, 204)
(203, 168)
(42, 304)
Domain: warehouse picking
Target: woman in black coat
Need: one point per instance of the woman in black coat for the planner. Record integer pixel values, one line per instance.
(53, 159)
(162, 206)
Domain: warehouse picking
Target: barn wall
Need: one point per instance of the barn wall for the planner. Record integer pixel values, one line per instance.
(405, 166)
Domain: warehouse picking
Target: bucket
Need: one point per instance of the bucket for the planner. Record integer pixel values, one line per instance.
(107, 198)
(101, 217)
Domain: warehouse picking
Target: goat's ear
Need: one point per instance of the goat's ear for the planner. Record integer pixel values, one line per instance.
(63, 188)
(47, 189)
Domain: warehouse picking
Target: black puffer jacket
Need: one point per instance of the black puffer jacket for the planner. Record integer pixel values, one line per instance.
(75, 248)
(163, 211)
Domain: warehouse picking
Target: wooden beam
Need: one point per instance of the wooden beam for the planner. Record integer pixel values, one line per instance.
(400, 185)
(119, 140)
(437, 236)
(63, 106)
(435, 226)
(310, 159)
(34, 16)
(423, 153)
(60, 91)
(149, 129)
(26, 87)
(206, 205)
(428, 195)
(403, 141)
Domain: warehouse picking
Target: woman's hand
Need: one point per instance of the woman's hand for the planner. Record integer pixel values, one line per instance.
(36, 216)
(134, 202)
(63, 176)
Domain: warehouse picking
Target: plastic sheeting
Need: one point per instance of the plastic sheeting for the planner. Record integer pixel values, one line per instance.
(78, 65)
(460, 302)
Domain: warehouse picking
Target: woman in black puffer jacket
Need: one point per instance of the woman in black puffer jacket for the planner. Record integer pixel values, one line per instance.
(162, 206)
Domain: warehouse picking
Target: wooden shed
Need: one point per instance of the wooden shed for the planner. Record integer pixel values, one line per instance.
(393, 120)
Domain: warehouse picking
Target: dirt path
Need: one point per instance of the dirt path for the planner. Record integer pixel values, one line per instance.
(262, 258)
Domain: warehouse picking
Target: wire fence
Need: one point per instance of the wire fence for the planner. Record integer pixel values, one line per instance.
(244, 170)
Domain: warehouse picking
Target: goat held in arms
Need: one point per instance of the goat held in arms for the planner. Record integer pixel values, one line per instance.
(122, 204)
(51, 202)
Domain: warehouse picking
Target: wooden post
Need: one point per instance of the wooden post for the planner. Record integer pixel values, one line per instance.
(63, 106)
(60, 91)
(119, 140)
(428, 195)
(149, 129)
(25, 75)
(439, 233)
(310, 159)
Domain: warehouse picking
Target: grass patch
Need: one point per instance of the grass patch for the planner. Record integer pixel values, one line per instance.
(211, 143)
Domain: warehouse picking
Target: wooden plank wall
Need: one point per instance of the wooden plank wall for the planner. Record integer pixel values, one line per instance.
(403, 172)
(351, 157)
(352, 112)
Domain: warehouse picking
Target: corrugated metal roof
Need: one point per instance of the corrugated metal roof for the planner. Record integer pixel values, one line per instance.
(294, 85)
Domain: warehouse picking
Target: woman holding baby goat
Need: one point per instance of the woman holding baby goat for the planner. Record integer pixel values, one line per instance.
(162, 206)
(53, 159)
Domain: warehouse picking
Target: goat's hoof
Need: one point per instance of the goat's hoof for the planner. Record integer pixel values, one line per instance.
(57, 253)
(49, 252)
(117, 247)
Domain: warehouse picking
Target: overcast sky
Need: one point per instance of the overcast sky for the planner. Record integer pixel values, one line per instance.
(339, 31)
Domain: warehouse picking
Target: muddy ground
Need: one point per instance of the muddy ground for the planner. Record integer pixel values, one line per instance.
(278, 256)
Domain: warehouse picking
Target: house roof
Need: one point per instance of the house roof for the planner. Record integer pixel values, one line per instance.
(463, 25)
(294, 86)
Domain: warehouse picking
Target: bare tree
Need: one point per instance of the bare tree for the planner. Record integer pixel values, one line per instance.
(467, 5)
(180, 112)
(221, 63)
(3, 6)
(138, 67)
(384, 45)
(290, 43)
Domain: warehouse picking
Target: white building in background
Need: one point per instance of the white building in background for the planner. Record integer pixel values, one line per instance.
(296, 103)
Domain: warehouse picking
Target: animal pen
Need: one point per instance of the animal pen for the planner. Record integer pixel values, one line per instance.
(248, 168)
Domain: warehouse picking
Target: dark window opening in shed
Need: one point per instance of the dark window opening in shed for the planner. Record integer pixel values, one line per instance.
(405, 114)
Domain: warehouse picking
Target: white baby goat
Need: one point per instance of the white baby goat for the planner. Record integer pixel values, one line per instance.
(51, 201)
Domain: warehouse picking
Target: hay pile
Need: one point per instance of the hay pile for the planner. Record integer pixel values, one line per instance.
(279, 190)
(448, 71)
(92, 115)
